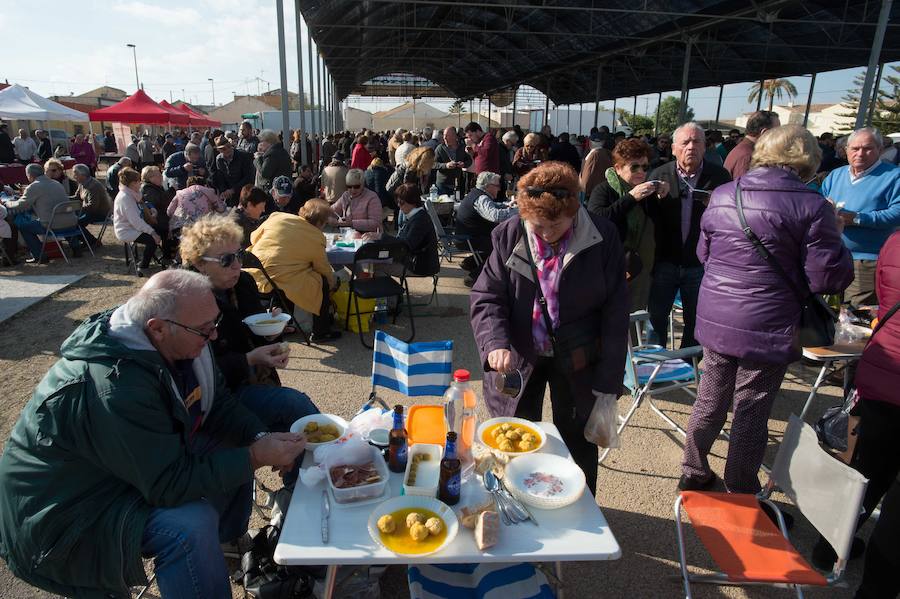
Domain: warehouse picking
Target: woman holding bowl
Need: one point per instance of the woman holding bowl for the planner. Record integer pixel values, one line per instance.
(578, 261)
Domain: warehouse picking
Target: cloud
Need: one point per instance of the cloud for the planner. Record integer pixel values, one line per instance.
(175, 15)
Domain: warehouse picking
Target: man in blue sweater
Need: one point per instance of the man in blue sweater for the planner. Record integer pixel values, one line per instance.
(867, 194)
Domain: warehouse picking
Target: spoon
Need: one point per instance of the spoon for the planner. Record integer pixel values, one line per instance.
(492, 485)
(516, 514)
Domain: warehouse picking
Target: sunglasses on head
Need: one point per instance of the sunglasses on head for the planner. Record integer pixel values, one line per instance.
(225, 260)
(639, 167)
(557, 192)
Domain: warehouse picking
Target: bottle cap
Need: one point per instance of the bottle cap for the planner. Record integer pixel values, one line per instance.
(398, 409)
(451, 436)
(461, 375)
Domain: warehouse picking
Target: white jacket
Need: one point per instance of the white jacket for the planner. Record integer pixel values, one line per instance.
(128, 222)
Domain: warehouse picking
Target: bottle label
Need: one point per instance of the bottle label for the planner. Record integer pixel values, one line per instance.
(453, 485)
(401, 453)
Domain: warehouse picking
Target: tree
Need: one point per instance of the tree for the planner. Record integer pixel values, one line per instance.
(667, 113)
(887, 106)
(639, 123)
(457, 107)
(850, 102)
(772, 88)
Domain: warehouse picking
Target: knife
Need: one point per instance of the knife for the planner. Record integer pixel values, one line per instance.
(326, 511)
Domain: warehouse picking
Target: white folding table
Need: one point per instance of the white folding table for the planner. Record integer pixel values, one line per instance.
(844, 352)
(575, 533)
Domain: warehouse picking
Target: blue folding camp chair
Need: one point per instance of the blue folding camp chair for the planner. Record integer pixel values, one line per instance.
(652, 370)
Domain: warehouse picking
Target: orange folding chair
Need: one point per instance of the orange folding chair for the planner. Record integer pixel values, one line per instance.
(746, 545)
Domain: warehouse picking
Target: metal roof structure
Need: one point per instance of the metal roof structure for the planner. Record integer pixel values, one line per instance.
(582, 51)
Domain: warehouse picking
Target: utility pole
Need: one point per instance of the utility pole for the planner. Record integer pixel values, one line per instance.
(137, 80)
(213, 84)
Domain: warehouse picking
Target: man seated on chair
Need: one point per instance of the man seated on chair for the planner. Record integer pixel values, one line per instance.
(33, 210)
(132, 446)
(477, 215)
(95, 203)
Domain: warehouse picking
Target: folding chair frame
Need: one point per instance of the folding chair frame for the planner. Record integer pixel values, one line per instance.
(69, 207)
(251, 260)
(446, 240)
(106, 223)
(646, 391)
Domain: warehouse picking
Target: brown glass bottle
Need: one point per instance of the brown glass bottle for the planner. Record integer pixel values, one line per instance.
(397, 443)
(451, 473)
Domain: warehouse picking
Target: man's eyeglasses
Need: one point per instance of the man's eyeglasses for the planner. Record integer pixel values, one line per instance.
(354, 186)
(557, 192)
(226, 260)
(639, 167)
(205, 334)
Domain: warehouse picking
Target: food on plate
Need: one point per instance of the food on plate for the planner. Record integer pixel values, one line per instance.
(268, 321)
(511, 437)
(418, 532)
(347, 476)
(414, 468)
(414, 518)
(487, 529)
(487, 458)
(434, 526)
(470, 513)
(387, 524)
(321, 433)
(413, 535)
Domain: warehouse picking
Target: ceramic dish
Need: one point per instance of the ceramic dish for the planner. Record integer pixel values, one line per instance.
(544, 481)
(267, 325)
(488, 425)
(406, 503)
(320, 420)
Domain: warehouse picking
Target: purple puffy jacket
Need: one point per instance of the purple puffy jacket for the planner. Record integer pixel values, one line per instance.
(745, 308)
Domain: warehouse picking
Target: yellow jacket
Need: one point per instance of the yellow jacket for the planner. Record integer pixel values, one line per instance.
(293, 253)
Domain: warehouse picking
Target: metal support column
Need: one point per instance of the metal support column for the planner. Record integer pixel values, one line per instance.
(568, 117)
(873, 105)
(547, 106)
(658, 102)
(873, 61)
(312, 92)
(682, 108)
(282, 67)
(515, 108)
(580, 119)
(490, 112)
(320, 77)
(597, 95)
(634, 109)
(614, 123)
(304, 155)
(812, 85)
(719, 106)
(762, 84)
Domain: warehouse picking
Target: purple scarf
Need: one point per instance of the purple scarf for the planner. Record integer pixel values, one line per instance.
(549, 269)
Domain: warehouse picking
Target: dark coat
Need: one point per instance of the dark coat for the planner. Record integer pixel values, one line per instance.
(418, 233)
(234, 175)
(249, 225)
(666, 213)
(275, 162)
(592, 286)
(745, 309)
(878, 375)
(564, 151)
(160, 199)
(376, 180)
(606, 201)
(7, 150)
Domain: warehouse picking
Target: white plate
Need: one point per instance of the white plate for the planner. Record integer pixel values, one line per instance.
(267, 330)
(320, 419)
(544, 480)
(415, 501)
(542, 438)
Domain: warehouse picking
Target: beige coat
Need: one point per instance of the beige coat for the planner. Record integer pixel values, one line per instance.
(293, 254)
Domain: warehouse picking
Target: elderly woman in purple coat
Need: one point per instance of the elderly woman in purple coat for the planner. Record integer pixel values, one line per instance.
(747, 315)
(580, 268)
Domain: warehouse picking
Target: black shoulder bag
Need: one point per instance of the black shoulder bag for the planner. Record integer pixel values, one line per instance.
(816, 327)
(576, 345)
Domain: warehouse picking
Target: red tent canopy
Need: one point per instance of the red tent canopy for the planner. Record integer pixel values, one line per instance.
(197, 119)
(138, 108)
(176, 114)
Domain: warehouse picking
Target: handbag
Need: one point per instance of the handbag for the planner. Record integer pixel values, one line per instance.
(576, 345)
(816, 328)
(836, 427)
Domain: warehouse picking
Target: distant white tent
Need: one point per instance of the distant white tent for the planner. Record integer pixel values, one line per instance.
(19, 103)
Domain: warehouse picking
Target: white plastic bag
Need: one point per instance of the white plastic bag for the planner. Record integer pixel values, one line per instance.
(602, 424)
(371, 419)
(350, 449)
(845, 331)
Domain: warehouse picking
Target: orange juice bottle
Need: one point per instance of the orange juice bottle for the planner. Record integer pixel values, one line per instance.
(459, 412)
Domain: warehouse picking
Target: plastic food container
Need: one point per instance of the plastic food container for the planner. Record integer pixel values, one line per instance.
(267, 325)
(363, 492)
(426, 424)
(428, 473)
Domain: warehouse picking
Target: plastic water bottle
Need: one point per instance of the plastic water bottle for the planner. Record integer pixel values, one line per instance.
(433, 193)
(459, 412)
(381, 308)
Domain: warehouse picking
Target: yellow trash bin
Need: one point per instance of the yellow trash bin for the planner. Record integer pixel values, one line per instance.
(366, 306)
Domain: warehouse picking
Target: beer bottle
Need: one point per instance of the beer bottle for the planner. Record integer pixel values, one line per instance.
(451, 475)
(397, 448)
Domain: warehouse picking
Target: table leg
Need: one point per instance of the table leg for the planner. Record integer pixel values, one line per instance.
(561, 592)
(815, 388)
(330, 579)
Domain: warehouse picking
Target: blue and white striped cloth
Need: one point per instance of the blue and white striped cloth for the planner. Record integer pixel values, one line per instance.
(414, 369)
(478, 581)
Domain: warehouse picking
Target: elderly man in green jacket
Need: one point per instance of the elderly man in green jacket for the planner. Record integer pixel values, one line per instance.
(132, 446)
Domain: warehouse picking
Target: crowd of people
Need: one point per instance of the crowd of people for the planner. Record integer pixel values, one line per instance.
(569, 237)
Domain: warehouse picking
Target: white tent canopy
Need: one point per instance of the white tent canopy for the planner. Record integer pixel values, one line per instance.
(19, 103)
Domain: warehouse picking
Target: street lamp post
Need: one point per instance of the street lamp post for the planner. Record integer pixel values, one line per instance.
(213, 84)
(137, 80)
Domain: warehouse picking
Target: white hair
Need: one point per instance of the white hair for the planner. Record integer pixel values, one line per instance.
(159, 296)
(486, 178)
(82, 169)
(34, 170)
(191, 148)
(685, 127)
(355, 176)
(875, 133)
(268, 136)
(510, 136)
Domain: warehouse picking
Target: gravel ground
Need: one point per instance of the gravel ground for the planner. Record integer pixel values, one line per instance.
(636, 484)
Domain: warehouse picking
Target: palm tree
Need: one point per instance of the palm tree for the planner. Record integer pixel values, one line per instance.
(772, 88)
(457, 107)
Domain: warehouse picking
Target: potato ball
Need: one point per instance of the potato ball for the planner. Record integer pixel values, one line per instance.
(434, 526)
(418, 532)
(386, 524)
(414, 518)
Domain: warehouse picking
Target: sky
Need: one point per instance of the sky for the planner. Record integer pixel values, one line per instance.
(181, 45)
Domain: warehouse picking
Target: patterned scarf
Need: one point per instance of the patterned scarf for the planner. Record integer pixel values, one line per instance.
(549, 268)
